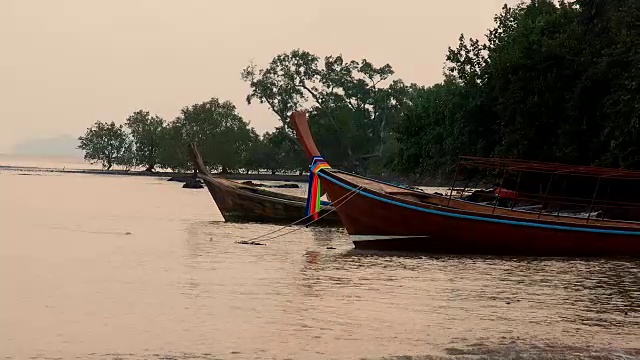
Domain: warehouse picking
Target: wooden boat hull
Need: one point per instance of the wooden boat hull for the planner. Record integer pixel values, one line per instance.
(243, 203)
(239, 203)
(460, 204)
(378, 221)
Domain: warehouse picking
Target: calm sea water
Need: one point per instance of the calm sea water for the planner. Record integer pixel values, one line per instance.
(109, 267)
(46, 162)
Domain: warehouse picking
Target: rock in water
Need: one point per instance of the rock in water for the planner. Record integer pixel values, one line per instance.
(180, 178)
(247, 242)
(192, 184)
(287, 186)
(280, 186)
(251, 183)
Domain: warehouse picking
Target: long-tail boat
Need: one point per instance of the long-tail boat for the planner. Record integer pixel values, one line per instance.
(244, 203)
(381, 216)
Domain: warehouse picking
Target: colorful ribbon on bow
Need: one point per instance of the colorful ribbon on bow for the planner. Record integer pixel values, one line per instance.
(314, 191)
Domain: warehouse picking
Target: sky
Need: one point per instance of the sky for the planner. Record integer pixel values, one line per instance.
(67, 63)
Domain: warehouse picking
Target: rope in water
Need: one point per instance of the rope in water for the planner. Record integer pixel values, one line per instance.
(348, 196)
(352, 194)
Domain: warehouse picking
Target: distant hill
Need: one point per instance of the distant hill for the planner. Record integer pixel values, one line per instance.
(63, 145)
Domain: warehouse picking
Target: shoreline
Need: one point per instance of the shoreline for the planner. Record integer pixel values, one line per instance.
(182, 176)
(158, 174)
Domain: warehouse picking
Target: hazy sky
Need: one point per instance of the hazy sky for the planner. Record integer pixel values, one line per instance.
(66, 63)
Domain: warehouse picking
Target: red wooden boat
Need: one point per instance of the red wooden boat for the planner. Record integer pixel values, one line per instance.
(381, 216)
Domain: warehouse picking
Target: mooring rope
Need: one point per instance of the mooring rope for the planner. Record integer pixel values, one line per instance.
(351, 194)
(348, 196)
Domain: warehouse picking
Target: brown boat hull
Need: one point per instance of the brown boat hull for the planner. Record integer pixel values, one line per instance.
(243, 204)
(377, 221)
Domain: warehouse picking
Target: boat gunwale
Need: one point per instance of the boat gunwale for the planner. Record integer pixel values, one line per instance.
(232, 186)
(567, 218)
(473, 215)
(236, 187)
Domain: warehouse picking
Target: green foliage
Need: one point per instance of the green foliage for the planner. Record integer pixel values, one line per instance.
(283, 85)
(609, 87)
(173, 148)
(552, 81)
(351, 109)
(220, 133)
(531, 79)
(145, 130)
(273, 151)
(108, 144)
(253, 156)
(441, 122)
(224, 139)
(281, 153)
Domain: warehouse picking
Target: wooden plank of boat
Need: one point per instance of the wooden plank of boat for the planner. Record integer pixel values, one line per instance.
(243, 203)
(413, 221)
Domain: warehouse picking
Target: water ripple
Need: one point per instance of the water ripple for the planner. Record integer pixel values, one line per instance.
(179, 286)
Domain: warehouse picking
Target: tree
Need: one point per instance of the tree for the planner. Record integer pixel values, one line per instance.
(106, 143)
(172, 152)
(145, 130)
(553, 81)
(253, 157)
(218, 130)
(281, 154)
(441, 122)
(609, 87)
(531, 77)
(340, 94)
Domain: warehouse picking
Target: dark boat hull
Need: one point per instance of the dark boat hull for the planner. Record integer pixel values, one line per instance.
(245, 204)
(378, 221)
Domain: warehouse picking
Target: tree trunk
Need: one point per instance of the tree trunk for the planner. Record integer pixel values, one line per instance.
(224, 170)
(149, 168)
